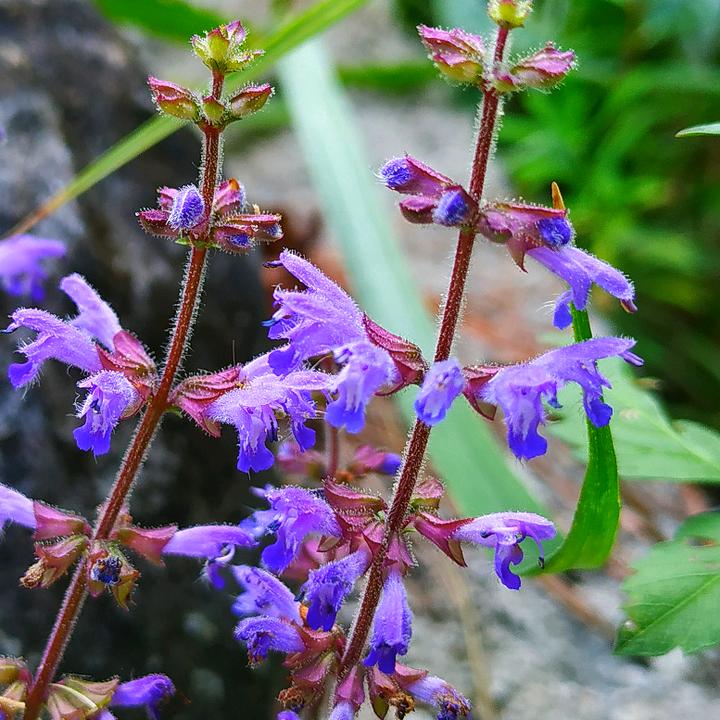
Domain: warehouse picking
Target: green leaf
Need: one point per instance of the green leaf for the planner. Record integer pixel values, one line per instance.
(169, 19)
(709, 129)
(597, 515)
(674, 595)
(462, 448)
(648, 444)
(298, 29)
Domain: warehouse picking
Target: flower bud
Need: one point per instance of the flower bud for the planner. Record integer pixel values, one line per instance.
(540, 71)
(411, 177)
(457, 54)
(75, 697)
(455, 207)
(220, 48)
(174, 99)
(509, 13)
(187, 210)
(214, 110)
(249, 100)
(108, 568)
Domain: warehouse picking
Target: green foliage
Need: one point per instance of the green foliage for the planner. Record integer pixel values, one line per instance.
(709, 129)
(597, 515)
(649, 445)
(462, 448)
(674, 595)
(169, 19)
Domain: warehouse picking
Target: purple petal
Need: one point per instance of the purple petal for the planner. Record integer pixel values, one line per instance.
(392, 626)
(55, 340)
(95, 316)
(328, 586)
(187, 209)
(443, 382)
(207, 541)
(149, 691)
(110, 395)
(15, 507)
(262, 634)
(264, 595)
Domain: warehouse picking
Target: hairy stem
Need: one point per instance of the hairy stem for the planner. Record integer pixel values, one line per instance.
(417, 444)
(147, 427)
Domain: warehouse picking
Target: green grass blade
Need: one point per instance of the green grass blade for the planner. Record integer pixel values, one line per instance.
(597, 515)
(462, 447)
(168, 19)
(709, 129)
(288, 36)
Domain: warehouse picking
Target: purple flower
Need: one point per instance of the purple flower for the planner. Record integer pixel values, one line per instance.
(520, 389)
(287, 715)
(149, 691)
(294, 513)
(315, 321)
(328, 586)
(453, 208)
(504, 532)
(366, 368)
(56, 340)
(22, 260)
(434, 197)
(251, 409)
(215, 543)
(320, 320)
(207, 541)
(109, 398)
(187, 208)
(433, 690)
(94, 316)
(15, 507)
(342, 711)
(392, 625)
(264, 595)
(580, 270)
(443, 382)
(262, 634)
(69, 341)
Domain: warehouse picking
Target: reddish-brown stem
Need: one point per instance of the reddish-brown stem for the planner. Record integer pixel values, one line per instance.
(132, 462)
(417, 444)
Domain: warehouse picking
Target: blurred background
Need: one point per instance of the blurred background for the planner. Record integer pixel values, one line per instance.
(72, 85)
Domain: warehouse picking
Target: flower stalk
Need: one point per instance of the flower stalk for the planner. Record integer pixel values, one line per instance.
(417, 444)
(132, 462)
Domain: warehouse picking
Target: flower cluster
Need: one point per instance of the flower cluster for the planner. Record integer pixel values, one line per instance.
(329, 539)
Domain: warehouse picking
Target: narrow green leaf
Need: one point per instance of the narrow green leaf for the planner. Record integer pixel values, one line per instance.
(169, 19)
(709, 129)
(298, 29)
(594, 526)
(462, 448)
(674, 595)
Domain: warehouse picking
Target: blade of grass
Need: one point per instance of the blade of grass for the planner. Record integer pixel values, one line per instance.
(289, 35)
(462, 448)
(168, 19)
(597, 515)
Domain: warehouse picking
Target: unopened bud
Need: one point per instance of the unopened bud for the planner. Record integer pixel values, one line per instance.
(220, 48)
(214, 110)
(540, 71)
(509, 13)
(457, 54)
(174, 99)
(249, 100)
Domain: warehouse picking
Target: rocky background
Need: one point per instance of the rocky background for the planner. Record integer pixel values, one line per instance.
(70, 86)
